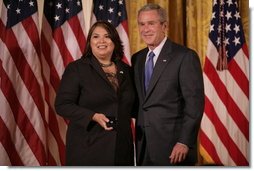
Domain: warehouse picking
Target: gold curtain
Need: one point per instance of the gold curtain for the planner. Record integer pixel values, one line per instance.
(189, 22)
(198, 23)
(132, 8)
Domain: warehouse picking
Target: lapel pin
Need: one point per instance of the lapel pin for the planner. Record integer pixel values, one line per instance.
(121, 72)
(164, 60)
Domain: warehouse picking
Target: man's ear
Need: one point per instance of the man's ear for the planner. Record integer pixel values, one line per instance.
(165, 26)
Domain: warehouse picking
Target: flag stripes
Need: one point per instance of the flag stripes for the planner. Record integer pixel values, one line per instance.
(7, 142)
(54, 79)
(227, 137)
(22, 91)
(62, 42)
(236, 108)
(122, 30)
(224, 135)
(18, 116)
(76, 27)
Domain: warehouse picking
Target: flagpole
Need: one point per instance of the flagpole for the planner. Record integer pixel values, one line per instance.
(87, 11)
(1, 2)
(40, 12)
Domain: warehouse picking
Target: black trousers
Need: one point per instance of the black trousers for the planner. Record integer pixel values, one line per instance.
(145, 159)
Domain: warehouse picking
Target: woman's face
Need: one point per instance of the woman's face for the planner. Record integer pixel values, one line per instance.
(101, 45)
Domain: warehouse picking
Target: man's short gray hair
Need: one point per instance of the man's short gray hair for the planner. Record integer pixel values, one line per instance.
(161, 11)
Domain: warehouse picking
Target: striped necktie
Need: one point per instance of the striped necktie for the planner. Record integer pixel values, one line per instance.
(149, 69)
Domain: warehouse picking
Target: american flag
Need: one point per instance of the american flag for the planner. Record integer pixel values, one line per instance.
(22, 116)
(63, 40)
(224, 135)
(114, 11)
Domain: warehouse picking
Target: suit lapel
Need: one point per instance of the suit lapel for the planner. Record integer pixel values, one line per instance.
(120, 74)
(162, 61)
(100, 71)
(98, 68)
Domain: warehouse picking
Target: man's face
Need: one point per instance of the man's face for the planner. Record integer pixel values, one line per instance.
(152, 31)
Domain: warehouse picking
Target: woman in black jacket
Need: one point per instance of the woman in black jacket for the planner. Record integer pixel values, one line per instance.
(97, 95)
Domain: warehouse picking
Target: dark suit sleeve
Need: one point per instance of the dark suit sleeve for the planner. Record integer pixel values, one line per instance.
(191, 82)
(66, 103)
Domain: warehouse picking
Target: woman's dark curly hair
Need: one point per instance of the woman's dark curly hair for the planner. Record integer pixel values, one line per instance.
(113, 35)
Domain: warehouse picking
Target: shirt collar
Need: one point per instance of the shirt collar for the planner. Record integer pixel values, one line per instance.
(157, 50)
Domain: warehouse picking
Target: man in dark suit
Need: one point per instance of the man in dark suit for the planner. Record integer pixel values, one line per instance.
(169, 83)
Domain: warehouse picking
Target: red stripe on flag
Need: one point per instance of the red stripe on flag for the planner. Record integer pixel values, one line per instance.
(54, 77)
(224, 136)
(78, 32)
(239, 77)
(229, 103)
(125, 60)
(25, 117)
(64, 51)
(54, 128)
(6, 141)
(209, 147)
(125, 26)
(24, 68)
(23, 122)
(245, 50)
(32, 32)
(51, 160)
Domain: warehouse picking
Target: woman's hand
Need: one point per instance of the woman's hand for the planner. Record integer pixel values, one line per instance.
(102, 120)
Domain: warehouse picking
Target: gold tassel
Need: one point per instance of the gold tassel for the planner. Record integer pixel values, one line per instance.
(222, 63)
